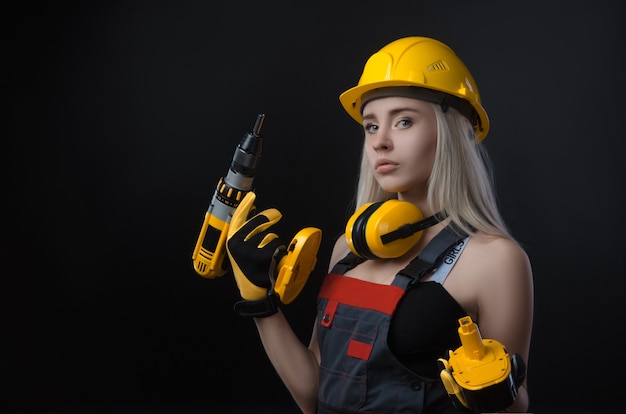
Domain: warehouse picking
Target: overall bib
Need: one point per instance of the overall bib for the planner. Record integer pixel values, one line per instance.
(358, 371)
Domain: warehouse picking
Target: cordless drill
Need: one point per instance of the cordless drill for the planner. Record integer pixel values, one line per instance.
(210, 251)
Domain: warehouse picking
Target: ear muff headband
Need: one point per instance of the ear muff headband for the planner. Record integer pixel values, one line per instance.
(386, 229)
(409, 229)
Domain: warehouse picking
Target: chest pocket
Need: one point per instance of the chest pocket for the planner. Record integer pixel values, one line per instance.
(346, 346)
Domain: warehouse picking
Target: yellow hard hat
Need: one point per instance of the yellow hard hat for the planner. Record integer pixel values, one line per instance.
(429, 66)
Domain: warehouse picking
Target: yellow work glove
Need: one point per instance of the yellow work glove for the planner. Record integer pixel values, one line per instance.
(254, 253)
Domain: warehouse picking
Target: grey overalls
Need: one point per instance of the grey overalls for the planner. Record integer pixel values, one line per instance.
(358, 372)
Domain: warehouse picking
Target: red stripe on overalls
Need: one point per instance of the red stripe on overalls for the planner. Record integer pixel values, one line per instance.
(359, 293)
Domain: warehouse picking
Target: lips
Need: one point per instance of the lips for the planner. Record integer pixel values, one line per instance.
(384, 165)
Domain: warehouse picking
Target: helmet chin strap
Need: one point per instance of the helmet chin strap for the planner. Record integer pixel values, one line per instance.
(408, 230)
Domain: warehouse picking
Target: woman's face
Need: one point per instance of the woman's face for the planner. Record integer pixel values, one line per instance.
(400, 143)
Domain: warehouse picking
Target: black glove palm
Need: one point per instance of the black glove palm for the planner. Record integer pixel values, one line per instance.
(254, 253)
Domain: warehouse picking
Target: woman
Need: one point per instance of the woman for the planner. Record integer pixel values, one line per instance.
(387, 316)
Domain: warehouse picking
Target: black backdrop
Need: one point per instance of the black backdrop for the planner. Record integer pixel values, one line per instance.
(122, 115)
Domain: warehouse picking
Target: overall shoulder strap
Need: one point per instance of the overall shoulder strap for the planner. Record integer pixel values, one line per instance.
(433, 253)
(347, 263)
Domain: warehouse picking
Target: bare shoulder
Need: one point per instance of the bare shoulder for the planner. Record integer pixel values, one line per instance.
(492, 277)
(497, 257)
(499, 269)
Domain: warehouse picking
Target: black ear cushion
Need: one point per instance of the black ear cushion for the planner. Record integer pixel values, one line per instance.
(359, 239)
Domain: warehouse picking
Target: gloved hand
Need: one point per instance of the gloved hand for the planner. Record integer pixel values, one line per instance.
(254, 253)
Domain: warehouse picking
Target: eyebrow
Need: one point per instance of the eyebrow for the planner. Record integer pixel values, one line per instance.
(394, 111)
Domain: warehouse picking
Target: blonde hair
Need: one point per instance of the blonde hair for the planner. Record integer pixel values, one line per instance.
(461, 181)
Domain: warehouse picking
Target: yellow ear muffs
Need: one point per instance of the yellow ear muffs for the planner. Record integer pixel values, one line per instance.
(386, 229)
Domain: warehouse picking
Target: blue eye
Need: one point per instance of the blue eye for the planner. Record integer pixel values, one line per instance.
(370, 128)
(405, 123)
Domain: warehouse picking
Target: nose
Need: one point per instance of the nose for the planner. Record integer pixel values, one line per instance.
(381, 141)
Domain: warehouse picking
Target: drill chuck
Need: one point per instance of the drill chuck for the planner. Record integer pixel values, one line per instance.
(248, 152)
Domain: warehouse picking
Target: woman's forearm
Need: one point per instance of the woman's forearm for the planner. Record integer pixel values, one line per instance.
(293, 361)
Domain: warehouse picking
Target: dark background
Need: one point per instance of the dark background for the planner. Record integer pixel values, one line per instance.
(122, 115)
